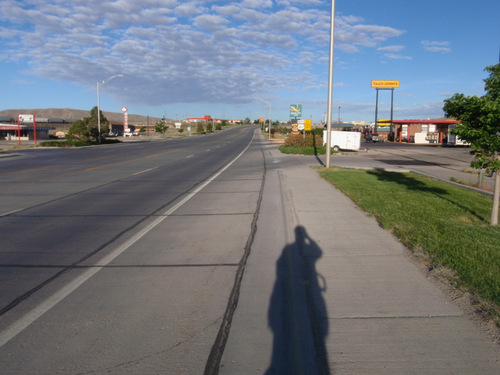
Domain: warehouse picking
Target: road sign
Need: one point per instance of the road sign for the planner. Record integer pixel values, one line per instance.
(308, 125)
(26, 118)
(385, 84)
(295, 110)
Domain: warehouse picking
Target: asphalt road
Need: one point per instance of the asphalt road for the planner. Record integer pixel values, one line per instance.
(122, 258)
(129, 258)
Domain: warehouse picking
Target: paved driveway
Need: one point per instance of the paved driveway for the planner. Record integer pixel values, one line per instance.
(445, 163)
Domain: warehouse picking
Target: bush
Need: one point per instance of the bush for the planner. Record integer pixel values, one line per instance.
(77, 143)
(297, 150)
(308, 141)
(200, 129)
(318, 131)
(283, 129)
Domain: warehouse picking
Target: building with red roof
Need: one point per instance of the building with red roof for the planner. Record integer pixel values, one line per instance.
(416, 131)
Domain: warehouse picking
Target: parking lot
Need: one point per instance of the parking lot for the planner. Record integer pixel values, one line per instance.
(446, 163)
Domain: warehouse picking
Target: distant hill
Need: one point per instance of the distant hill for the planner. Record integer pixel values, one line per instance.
(75, 114)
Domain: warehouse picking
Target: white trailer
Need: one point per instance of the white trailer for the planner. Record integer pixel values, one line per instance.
(341, 140)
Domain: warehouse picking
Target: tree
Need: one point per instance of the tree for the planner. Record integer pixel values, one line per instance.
(87, 129)
(78, 132)
(93, 125)
(480, 126)
(200, 129)
(161, 127)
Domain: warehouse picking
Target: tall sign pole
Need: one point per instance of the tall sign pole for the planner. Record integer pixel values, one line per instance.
(19, 117)
(34, 128)
(384, 85)
(23, 119)
(99, 83)
(330, 87)
(125, 120)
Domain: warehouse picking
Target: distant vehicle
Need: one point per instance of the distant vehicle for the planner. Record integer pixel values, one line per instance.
(111, 135)
(374, 138)
(342, 140)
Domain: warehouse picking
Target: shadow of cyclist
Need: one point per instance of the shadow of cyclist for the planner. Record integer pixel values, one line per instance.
(297, 311)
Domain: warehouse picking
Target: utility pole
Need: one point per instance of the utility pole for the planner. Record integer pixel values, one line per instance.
(330, 87)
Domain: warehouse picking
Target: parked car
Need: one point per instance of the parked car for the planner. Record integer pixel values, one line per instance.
(374, 138)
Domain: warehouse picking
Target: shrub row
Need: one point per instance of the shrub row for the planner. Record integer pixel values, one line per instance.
(308, 141)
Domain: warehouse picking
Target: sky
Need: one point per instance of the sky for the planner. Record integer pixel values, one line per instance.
(192, 58)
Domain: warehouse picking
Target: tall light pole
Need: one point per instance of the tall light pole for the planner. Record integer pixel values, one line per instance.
(270, 121)
(99, 83)
(330, 87)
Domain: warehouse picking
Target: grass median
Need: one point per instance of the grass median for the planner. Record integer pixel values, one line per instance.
(446, 223)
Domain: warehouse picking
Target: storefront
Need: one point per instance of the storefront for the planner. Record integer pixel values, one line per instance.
(10, 132)
(422, 131)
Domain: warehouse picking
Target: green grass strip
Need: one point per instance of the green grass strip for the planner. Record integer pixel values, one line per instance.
(448, 223)
(304, 150)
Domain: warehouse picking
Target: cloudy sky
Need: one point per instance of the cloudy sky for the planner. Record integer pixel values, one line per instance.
(190, 58)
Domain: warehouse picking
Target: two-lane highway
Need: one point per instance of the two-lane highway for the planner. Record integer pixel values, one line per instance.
(122, 258)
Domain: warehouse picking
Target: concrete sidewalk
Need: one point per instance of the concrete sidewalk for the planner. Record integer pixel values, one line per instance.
(337, 294)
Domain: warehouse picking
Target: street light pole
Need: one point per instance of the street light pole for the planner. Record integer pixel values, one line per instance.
(99, 83)
(330, 87)
(270, 113)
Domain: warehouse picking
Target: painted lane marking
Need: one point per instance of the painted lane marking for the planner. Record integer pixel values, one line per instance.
(144, 171)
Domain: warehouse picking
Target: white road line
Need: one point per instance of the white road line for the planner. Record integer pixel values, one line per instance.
(21, 324)
(144, 171)
(11, 212)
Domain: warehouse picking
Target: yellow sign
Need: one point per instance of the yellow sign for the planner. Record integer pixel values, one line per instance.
(307, 125)
(384, 84)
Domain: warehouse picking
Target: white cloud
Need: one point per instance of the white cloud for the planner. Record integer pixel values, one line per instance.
(391, 48)
(435, 46)
(395, 56)
(391, 52)
(210, 22)
(258, 4)
(181, 51)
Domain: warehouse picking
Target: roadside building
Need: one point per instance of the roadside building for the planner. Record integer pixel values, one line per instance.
(208, 118)
(11, 132)
(417, 131)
